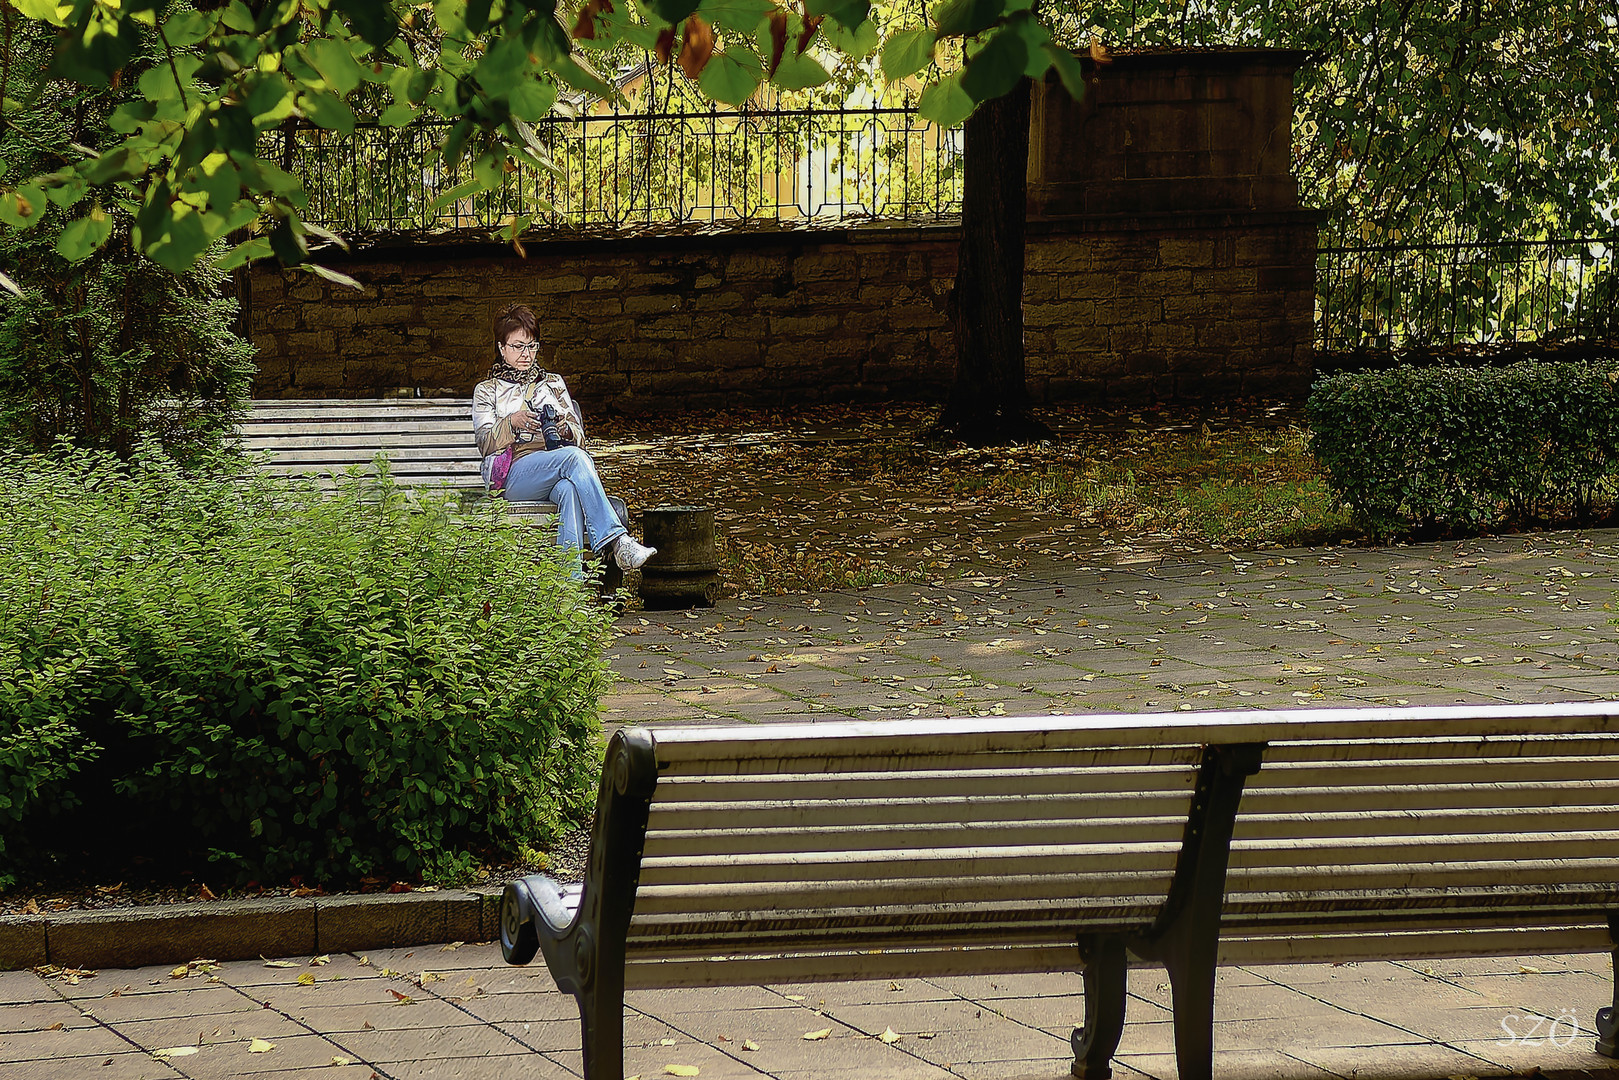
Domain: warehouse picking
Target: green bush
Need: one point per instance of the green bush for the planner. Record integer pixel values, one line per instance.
(211, 665)
(1469, 447)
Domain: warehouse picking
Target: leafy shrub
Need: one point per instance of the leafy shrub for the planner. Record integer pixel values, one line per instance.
(1455, 447)
(215, 665)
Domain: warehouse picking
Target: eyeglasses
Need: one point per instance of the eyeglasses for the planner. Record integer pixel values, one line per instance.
(530, 347)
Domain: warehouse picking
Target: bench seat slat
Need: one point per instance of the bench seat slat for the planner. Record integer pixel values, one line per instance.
(1403, 823)
(950, 863)
(1438, 747)
(934, 809)
(1305, 948)
(1381, 877)
(1393, 774)
(691, 843)
(844, 787)
(703, 898)
(847, 967)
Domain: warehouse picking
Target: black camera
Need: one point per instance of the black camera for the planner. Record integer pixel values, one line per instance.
(548, 427)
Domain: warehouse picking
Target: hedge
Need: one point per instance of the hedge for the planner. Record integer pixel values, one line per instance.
(1464, 448)
(213, 667)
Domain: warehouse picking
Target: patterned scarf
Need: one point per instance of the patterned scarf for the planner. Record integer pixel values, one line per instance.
(505, 372)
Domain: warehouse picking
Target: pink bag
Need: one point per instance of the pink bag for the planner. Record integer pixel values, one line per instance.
(500, 468)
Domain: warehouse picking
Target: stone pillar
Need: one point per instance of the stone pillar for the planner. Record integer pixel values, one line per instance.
(1168, 254)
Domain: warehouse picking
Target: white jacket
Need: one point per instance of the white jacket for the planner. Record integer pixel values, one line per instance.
(494, 401)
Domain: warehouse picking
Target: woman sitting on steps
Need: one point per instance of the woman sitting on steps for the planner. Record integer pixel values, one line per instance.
(531, 435)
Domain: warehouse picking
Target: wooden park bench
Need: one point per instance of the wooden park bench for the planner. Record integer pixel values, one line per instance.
(882, 850)
(427, 442)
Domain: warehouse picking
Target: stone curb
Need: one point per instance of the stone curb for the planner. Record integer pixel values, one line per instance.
(245, 929)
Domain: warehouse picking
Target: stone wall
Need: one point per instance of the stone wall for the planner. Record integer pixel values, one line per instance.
(1115, 310)
(1167, 258)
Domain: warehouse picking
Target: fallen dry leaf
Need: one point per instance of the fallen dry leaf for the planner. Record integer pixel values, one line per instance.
(175, 1051)
(260, 1046)
(681, 1070)
(749, 1044)
(317, 961)
(817, 1036)
(889, 1036)
(306, 979)
(666, 1042)
(279, 963)
(338, 1061)
(180, 972)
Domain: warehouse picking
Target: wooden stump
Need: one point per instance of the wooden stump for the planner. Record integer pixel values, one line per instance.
(685, 571)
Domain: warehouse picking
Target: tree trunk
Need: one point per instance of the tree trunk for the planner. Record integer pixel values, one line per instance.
(989, 403)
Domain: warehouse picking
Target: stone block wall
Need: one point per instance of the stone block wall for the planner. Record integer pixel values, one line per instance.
(799, 316)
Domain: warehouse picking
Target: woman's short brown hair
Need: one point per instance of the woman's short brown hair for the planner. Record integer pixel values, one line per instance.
(514, 317)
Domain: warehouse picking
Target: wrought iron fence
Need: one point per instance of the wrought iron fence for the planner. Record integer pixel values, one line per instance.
(622, 170)
(1390, 296)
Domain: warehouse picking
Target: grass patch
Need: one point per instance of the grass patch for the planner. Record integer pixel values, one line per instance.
(1241, 485)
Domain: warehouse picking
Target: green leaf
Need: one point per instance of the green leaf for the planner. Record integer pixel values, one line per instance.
(335, 63)
(397, 115)
(946, 103)
(855, 43)
(731, 77)
(963, 18)
(23, 208)
(187, 27)
(908, 52)
(1035, 37)
(130, 115)
(374, 22)
(67, 191)
(333, 276)
(532, 99)
(157, 82)
(245, 252)
(849, 14)
(477, 15)
(121, 164)
(43, 11)
(672, 11)
(177, 248)
(997, 67)
(458, 192)
(739, 15)
(326, 110)
(270, 98)
(84, 236)
(502, 66)
(1069, 70)
(799, 71)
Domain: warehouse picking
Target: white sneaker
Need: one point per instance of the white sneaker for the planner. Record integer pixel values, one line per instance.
(630, 555)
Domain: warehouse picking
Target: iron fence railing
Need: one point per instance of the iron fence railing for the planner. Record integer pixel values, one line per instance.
(1392, 296)
(630, 169)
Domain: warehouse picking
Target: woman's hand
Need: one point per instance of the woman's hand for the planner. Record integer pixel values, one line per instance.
(523, 420)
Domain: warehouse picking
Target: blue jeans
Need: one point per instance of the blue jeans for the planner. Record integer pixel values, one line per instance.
(567, 477)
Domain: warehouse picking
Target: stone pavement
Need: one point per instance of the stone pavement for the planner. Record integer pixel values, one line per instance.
(1522, 619)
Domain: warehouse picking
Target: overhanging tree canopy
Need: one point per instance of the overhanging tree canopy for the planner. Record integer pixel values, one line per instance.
(184, 160)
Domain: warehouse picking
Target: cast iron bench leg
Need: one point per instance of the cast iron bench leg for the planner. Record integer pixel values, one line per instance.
(1608, 1019)
(1105, 969)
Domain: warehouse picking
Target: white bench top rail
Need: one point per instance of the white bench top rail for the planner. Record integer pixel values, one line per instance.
(844, 850)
